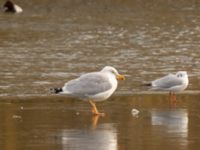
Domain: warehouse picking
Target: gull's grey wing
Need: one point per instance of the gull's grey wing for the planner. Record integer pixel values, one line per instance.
(167, 82)
(88, 84)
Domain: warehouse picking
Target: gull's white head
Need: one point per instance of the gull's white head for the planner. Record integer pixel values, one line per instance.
(182, 74)
(113, 71)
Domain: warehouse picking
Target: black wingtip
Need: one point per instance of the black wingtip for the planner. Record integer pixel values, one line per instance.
(147, 84)
(56, 90)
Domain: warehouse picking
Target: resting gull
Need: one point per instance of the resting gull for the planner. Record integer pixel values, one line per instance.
(172, 83)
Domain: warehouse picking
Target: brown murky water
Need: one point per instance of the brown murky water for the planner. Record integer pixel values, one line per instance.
(53, 42)
(60, 123)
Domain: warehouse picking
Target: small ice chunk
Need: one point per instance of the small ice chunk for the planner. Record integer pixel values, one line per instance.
(135, 112)
(16, 117)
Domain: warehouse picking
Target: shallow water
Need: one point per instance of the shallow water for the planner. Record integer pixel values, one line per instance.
(53, 42)
(63, 123)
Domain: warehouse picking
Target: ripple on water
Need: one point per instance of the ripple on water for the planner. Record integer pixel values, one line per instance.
(141, 46)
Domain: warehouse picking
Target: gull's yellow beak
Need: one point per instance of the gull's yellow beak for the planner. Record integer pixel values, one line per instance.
(120, 77)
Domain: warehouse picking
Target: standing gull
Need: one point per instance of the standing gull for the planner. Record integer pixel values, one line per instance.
(172, 83)
(93, 87)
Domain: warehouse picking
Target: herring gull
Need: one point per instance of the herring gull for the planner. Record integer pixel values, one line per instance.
(93, 86)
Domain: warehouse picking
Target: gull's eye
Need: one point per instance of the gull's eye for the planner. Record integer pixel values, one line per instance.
(180, 75)
(112, 71)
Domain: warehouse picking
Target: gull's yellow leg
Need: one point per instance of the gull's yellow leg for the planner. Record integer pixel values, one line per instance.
(94, 109)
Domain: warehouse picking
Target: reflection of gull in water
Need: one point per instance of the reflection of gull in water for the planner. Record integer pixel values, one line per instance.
(175, 121)
(102, 138)
(95, 86)
(172, 83)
